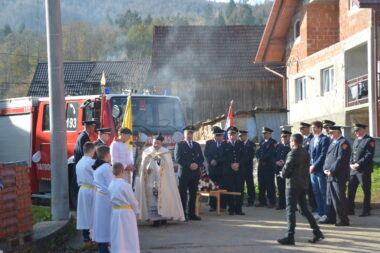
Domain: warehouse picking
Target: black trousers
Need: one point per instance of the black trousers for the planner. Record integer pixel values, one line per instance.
(294, 197)
(248, 179)
(188, 181)
(336, 201)
(311, 197)
(86, 235)
(281, 191)
(217, 179)
(364, 179)
(267, 188)
(234, 182)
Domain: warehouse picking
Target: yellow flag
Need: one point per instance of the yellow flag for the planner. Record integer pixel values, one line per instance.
(127, 121)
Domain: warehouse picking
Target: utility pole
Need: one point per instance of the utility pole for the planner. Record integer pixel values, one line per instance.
(58, 149)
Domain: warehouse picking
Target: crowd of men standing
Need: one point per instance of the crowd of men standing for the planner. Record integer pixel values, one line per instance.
(333, 163)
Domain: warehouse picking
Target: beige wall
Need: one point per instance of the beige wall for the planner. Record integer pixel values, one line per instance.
(318, 105)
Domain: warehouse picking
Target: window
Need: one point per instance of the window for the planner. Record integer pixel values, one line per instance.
(46, 119)
(297, 29)
(327, 79)
(72, 116)
(300, 89)
(353, 4)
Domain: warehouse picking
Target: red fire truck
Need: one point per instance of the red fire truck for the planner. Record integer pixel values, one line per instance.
(25, 128)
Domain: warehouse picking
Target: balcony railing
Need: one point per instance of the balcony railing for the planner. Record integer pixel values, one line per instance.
(357, 91)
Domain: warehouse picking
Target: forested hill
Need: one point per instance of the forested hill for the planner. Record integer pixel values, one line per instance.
(31, 12)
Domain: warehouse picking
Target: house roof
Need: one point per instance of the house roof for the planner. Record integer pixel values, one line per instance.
(273, 42)
(83, 78)
(206, 53)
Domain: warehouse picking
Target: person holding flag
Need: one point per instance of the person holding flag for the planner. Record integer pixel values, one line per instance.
(121, 149)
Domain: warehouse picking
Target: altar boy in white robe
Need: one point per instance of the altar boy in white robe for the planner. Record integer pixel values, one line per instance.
(157, 192)
(124, 233)
(102, 209)
(121, 153)
(85, 180)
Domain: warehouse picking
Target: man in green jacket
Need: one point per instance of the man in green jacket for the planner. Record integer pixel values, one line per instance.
(296, 172)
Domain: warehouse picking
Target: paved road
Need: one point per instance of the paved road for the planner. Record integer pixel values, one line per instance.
(257, 232)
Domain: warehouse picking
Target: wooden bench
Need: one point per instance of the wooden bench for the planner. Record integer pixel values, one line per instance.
(216, 194)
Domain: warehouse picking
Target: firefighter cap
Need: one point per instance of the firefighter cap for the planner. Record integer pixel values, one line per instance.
(266, 130)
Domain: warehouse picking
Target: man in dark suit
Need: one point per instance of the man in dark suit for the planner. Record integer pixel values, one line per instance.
(266, 156)
(232, 153)
(103, 137)
(307, 136)
(188, 154)
(249, 154)
(296, 172)
(361, 164)
(282, 151)
(84, 136)
(215, 163)
(337, 170)
(318, 150)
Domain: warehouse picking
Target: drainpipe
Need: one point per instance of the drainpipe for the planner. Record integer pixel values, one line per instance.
(284, 102)
(375, 75)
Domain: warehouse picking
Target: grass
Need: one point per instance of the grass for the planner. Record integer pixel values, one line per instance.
(375, 188)
(41, 213)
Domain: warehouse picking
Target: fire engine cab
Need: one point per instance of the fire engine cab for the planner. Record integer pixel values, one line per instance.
(25, 129)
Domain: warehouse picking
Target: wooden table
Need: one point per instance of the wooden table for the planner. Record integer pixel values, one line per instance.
(216, 194)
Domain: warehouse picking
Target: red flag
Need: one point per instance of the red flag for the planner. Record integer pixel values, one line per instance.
(107, 120)
(229, 120)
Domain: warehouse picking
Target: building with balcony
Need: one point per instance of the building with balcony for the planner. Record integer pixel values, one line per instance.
(330, 51)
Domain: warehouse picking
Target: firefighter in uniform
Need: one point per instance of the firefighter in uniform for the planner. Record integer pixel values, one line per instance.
(266, 156)
(361, 164)
(233, 171)
(307, 136)
(188, 154)
(337, 170)
(249, 154)
(103, 137)
(282, 151)
(327, 124)
(214, 161)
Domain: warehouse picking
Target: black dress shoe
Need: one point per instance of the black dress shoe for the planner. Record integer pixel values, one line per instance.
(342, 224)
(364, 214)
(240, 213)
(286, 241)
(317, 237)
(195, 217)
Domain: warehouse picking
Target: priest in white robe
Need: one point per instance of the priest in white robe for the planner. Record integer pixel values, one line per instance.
(157, 190)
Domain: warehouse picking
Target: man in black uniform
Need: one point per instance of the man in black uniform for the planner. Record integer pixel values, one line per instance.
(337, 170)
(282, 151)
(103, 137)
(266, 156)
(215, 165)
(249, 154)
(361, 164)
(84, 136)
(233, 159)
(189, 155)
(296, 172)
(327, 124)
(307, 136)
